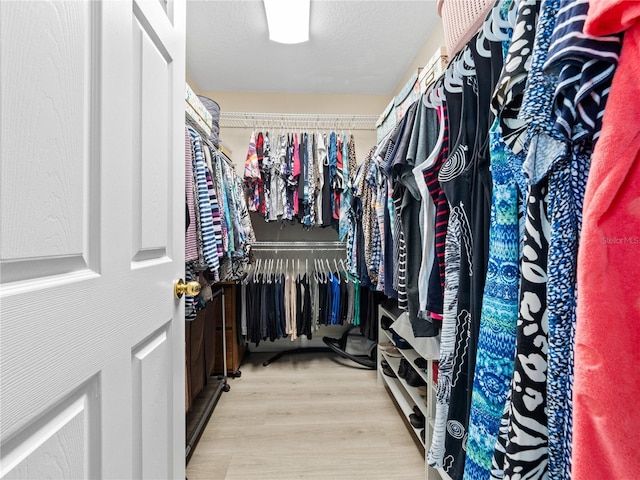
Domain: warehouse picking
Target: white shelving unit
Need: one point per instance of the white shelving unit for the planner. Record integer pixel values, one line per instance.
(407, 396)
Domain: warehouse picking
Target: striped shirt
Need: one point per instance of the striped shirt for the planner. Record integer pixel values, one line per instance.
(586, 64)
(401, 250)
(435, 302)
(190, 243)
(215, 214)
(209, 247)
(213, 198)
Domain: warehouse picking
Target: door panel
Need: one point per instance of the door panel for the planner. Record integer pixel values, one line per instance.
(48, 138)
(152, 154)
(92, 239)
(41, 452)
(151, 387)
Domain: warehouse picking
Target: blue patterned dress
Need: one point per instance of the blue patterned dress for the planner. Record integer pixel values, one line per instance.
(496, 344)
(584, 67)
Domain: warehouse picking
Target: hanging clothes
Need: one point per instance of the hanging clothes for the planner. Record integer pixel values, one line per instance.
(252, 176)
(191, 247)
(497, 338)
(458, 188)
(345, 202)
(295, 303)
(338, 181)
(301, 177)
(427, 220)
(435, 296)
(210, 250)
(608, 250)
(522, 445)
(451, 168)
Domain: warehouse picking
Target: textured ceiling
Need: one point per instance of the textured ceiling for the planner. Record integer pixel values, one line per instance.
(355, 47)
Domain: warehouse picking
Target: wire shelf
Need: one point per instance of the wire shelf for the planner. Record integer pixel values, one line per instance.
(300, 246)
(297, 121)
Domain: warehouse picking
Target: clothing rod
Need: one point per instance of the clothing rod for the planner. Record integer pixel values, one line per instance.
(300, 245)
(223, 156)
(311, 121)
(299, 249)
(192, 123)
(205, 138)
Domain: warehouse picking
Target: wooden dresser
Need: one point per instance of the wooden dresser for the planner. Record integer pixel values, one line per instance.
(236, 349)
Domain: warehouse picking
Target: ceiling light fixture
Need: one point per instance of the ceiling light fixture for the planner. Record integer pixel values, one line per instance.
(288, 20)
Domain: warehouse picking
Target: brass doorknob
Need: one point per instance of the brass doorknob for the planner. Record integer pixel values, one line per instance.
(191, 288)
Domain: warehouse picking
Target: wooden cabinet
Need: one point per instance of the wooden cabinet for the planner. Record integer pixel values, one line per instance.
(236, 349)
(201, 349)
(203, 387)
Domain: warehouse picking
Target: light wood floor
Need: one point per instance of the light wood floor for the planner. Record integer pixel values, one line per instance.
(311, 416)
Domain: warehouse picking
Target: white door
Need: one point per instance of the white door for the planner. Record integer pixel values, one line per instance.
(91, 239)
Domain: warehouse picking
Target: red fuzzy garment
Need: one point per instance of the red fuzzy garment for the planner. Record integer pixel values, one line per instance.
(606, 396)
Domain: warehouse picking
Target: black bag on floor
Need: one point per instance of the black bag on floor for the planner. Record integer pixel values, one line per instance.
(354, 346)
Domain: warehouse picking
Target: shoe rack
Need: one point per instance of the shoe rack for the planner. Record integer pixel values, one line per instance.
(410, 402)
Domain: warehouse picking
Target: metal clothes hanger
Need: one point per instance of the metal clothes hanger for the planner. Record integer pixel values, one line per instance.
(257, 269)
(343, 262)
(319, 271)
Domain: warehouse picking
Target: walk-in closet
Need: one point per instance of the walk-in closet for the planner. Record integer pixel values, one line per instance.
(319, 239)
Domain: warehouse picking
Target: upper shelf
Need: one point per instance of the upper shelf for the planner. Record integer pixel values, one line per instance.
(297, 121)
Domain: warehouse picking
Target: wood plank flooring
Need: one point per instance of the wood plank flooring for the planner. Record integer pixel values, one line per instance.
(311, 416)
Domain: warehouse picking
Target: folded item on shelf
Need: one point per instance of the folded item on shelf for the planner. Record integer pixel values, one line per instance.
(421, 363)
(400, 342)
(426, 347)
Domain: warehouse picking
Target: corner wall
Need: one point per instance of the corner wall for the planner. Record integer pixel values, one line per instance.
(435, 41)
